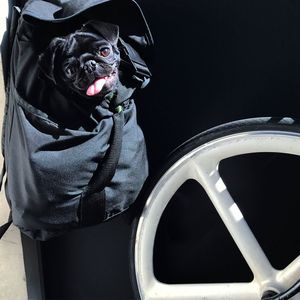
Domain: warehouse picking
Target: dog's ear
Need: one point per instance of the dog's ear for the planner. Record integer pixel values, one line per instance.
(47, 60)
(109, 31)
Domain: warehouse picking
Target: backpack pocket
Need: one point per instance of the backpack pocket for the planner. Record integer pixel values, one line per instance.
(49, 167)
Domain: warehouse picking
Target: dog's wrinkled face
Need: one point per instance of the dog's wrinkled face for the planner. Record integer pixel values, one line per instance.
(86, 61)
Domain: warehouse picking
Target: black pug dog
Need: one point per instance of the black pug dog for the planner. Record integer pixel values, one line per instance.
(86, 61)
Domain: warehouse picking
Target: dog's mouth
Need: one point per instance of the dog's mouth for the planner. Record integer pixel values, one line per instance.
(97, 86)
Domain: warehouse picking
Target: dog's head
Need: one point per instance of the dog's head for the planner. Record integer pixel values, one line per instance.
(85, 61)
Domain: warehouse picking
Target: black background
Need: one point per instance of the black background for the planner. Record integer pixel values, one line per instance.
(214, 61)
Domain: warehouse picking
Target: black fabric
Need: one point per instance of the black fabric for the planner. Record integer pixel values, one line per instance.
(92, 208)
(126, 13)
(7, 42)
(69, 162)
(134, 64)
(3, 228)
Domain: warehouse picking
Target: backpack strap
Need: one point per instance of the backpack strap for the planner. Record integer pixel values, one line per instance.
(134, 65)
(4, 227)
(3, 172)
(92, 206)
(8, 39)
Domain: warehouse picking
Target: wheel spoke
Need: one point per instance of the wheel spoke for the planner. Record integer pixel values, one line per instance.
(288, 276)
(208, 176)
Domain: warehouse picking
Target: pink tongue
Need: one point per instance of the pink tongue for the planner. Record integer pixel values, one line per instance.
(96, 87)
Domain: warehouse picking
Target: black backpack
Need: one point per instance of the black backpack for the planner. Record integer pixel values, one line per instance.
(66, 172)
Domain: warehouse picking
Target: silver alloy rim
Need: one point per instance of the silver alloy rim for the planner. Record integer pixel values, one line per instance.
(201, 164)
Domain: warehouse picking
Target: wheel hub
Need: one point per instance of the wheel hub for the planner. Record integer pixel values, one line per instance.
(291, 292)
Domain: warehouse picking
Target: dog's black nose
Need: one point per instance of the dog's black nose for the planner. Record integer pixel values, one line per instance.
(90, 66)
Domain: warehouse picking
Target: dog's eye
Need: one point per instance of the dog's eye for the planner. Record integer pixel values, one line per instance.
(70, 71)
(104, 51)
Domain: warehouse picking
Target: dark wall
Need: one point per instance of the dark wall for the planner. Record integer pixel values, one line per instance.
(214, 61)
(218, 61)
